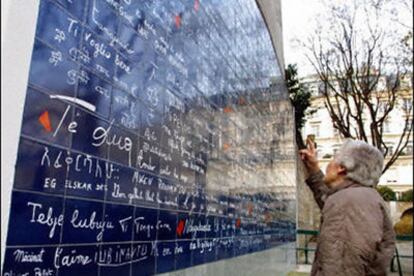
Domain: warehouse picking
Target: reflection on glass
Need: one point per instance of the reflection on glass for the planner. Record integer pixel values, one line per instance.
(176, 147)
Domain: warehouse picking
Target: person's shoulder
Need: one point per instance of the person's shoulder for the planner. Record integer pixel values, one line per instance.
(355, 195)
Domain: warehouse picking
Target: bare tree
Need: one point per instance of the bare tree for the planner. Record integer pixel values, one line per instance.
(362, 57)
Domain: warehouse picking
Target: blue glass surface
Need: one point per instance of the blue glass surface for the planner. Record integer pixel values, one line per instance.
(155, 137)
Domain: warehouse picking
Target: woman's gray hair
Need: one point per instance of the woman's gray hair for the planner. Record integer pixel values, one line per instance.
(362, 161)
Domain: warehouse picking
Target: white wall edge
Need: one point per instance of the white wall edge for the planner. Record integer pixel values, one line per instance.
(18, 32)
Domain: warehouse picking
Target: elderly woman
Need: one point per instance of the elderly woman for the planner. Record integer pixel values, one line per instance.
(356, 234)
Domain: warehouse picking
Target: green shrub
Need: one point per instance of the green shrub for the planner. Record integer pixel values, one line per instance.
(407, 196)
(326, 156)
(387, 193)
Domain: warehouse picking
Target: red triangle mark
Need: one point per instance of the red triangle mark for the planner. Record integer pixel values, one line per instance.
(177, 21)
(268, 217)
(228, 109)
(180, 227)
(196, 5)
(238, 223)
(250, 208)
(45, 121)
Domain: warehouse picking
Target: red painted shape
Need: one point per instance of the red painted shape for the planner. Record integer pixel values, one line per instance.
(178, 21)
(268, 218)
(45, 121)
(196, 5)
(242, 101)
(238, 223)
(250, 208)
(180, 227)
(227, 109)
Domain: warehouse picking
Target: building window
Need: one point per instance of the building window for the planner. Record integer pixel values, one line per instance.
(409, 148)
(392, 82)
(318, 153)
(390, 150)
(345, 85)
(322, 88)
(315, 130)
(313, 115)
(386, 127)
(335, 148)
(407, 105)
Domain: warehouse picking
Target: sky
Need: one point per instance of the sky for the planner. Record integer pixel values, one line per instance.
(299, 18)
(297, 21)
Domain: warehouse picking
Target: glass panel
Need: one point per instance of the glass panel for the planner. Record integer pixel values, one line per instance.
(157, 136)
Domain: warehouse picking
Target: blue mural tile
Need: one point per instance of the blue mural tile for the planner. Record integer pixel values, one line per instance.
(152, 135)
(229, 227)
(138, 10)
(145, 224)
(42, 215)
(185, 199)
(122, 218)
(275, 240)
(37, 162)
(170, 164)
(87, 176)
(15, 261)
(168, 227)
(118, 258)
(146, 159)
(92, 138)
(258, 243)
(128, 36)
(199, 200)
(98, 20)
(125, 110)
(96, 92)
(241, 246)
(123, 146)
(63, 73)
(210, 251)
(213, 205)
(144, 258)
(120, 184)
(194, 226)
(85, 222)
(78, 11)
(203, 251)
(183, 255)
(152, 119)
(48, 120)
(165, 257)
(58, 28)
(167, 195)
(130, 77)
(144, 189)
(214, 223)
(225, 248)
(199, 248)
(126, 71)
(84, 260)
(260, 226)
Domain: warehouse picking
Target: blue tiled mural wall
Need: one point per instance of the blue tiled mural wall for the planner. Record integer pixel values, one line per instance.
(153, 139)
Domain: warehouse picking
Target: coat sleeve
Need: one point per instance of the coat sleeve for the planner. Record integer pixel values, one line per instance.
(318, 187)
(385, 248)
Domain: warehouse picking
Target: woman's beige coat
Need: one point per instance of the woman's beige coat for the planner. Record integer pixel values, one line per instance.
(356, 233)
